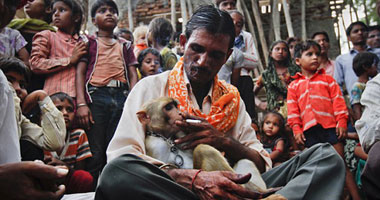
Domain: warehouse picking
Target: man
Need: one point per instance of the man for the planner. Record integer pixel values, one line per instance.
(343, 73)
(322, 38)
(208, 40)
(373, 39)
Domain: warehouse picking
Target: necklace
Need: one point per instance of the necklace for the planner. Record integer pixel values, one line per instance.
(178, 159)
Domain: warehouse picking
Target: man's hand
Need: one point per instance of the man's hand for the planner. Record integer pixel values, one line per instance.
(300, 138)
(214, 185)
(200, 133)
(31, 180)
(84, 116)
(341, 133)
(32, 100)
(80, 50)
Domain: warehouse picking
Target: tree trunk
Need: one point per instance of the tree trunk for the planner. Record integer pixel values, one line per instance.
(366, 11)
(276, 20)
(303, 19)
(173, 14)
(184, 15)
(130, 18)
(288, 19)
(260, 29)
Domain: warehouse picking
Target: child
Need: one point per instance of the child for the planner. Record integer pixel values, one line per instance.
(39, 19)
(273, 138)
(317, 112)
(13, 44)
(149, 61)
(104, 77)
(50, 135)
(139, 36)
(56, 54)
(365, 67)
(76, 152)
(276, 77)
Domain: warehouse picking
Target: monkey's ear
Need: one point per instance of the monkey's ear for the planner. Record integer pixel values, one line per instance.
(143, 117)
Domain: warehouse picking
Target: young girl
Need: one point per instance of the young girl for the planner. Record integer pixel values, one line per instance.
(149, 62)
(56, 54)
(272, 136)
(76, 152)
(276, 77)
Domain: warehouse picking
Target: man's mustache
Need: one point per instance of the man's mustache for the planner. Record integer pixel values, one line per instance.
(200, 69)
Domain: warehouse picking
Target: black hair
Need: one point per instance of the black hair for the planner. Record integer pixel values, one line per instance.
(351, 26)
(62, 96)
(13, 64)
(161, 30)
(48, 16)
(287, 61)
(304, 46)
(363, 61)
(292, 39)
(321, 33)
(126, 31)
(99, 3)
(213, 20)
(145, 52)
(372, 28)
(76, 10)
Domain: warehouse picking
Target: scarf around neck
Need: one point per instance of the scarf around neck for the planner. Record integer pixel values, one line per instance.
(225, 99)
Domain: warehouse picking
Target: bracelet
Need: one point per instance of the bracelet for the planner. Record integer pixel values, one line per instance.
(193, 180)
(168, 166)
(81, 104)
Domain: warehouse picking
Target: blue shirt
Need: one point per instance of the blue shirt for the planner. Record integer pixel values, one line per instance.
(344, 73)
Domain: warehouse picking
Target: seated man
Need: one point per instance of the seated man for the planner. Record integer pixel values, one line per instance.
(131, 174)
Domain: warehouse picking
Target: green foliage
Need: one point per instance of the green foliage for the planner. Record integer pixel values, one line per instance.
(371, 10)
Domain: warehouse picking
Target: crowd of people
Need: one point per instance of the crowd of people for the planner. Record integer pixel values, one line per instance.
(69, 102)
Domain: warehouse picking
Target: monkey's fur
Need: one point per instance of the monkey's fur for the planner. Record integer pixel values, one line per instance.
(155, 118)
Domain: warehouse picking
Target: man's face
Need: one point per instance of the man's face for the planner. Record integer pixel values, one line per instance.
(204, 55)
(322, 41)
(358, 35)
(373, 39)
(238, 22)
(227, 5)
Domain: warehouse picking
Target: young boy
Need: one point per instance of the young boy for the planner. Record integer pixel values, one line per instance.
(76, 152)
(365, 67)
(104, 78)
(317, 112)
(50, 135)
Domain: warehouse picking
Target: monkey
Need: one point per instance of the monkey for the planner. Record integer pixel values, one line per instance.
(158, 117)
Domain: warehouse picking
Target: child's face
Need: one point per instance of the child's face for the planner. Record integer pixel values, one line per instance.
(105, 18)
(150, 65)
(18, 83)
(279, 52)
(291, 48)
(67, 110)
(62, 16)
(309, 61)
(271, 125)
(227, 5)
(35, 9)
(238, 22)
(372, 71)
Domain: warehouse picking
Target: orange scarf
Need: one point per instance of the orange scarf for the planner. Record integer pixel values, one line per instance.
(225, 100)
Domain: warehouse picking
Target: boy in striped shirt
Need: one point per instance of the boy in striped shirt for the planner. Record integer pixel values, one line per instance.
(317, 112)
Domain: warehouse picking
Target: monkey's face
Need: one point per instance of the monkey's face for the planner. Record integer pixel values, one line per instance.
(172, 114)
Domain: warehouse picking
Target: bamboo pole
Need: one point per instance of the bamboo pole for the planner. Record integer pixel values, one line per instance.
(252, 31)
(190, 7)
(288, 18)
(184, 14)
(130, 18)
(173, 18)
(260, 29)
(303, 19)
(276, 20)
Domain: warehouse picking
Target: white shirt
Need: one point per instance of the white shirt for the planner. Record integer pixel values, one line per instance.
(130, 135)
(9, 142)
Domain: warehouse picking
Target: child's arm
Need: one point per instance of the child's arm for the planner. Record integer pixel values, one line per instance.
(40, 61)
(132, 76)
(23, 55)
(52, 132)
(278, 150)
(357, 108)
(294, 116)
(83, 112)
(339, 107)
